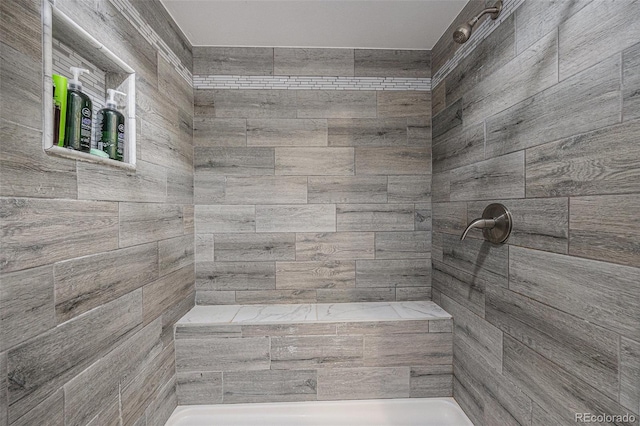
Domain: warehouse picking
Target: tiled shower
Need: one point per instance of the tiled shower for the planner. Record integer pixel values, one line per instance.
(291, 176)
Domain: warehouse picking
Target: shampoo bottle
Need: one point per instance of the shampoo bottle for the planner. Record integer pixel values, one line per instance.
(77, 133)
(111, 127)
(60, 99)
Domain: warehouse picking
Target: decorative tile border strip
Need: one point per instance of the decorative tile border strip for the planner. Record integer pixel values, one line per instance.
(309, 83)
(133, 16)
(479, 34)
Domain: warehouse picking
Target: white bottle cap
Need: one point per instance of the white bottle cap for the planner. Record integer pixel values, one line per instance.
(75, 83)
(111, 98)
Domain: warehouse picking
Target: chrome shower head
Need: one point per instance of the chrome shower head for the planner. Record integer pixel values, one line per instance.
(463, 32)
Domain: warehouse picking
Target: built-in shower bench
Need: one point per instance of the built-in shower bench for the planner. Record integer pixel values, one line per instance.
(324, 351)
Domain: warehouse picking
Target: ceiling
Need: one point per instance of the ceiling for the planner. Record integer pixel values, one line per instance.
(384, 24)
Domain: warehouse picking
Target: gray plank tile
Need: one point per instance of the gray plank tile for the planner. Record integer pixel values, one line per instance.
(532, 71)
(219, 219)
(460, 286)
(313, 275)
(172, 85)
(49, 412)
(208, 188)
(256, 104)
(234, 161)
(582, 349)
(299, 329)
(576, 166)
(481, 338)
(404, 350)
(235, 275)
(363, 383)
(307, 352)
(425, 383)
(217, 132)
(265, 190)
(209, 60)
(260, 297)
(541, 223)
(615, 25)
(392, 63)
(601, 293)
(403, 104)
(439, 98)
(393, 161)
(335, 246)
(161, 144)
(407, 189)
(347, 189)
(222, 354)
(382, 328)
(529, 26)
(403, 245)
(86, 394)
(393, 273)
(448, 122)
(139, 222)
(419, 131)
(4, 421)
(422, 220)
(321, 62)
(348, 295)
(292, 218)
(180, 187)
(461, 147)
(43, 364)
(269, 386)
(175, 253)
(22, 73)
(630, 374)
(436, 246)
(199, 387)
(497, 177)
(287, 132)
(631, 83)
(336, 104)
(147, 385)
(15, 16)
(488, 388)
(147, 184)
(176, 310)
(477, 257)
(471, 404)
(587, 101)
(551, 386)
(26, 171)
(203, 103)
(490, 55)
(110, 416)
(450, 218)
(162, 405)
(188, 219)
(205, 297)
(87, 282)
(162, 294)
(367, 132)
(606, 227)
(37, 232)
(441, 187)
(254, 247)
(26, 301)
(314, 161)
(204, 331)
(441, 326)
(375, 217)
(204, 248)
(413, 293)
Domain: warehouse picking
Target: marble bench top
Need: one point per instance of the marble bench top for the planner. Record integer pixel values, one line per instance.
(314, 312)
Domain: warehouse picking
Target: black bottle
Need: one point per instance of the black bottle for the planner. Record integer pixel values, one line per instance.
(111, 128)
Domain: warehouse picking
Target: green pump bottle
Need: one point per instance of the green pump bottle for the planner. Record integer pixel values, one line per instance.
(77, 134)
(111, 127)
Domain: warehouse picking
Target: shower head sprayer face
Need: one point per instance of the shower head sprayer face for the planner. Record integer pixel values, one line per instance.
(462, 33)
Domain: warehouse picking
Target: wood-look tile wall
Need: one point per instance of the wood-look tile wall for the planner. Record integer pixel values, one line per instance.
(97, 264)
(312, 195)
(543, 117)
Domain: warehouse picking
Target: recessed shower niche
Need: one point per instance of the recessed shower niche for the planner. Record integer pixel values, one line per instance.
(67, 44)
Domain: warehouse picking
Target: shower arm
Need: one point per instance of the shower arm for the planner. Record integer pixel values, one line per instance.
(494, 11)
